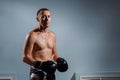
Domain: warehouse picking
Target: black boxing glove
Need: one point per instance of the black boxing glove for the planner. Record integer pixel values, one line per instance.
(37, 75)
(37, 64)
(48, 66)
(62, 65)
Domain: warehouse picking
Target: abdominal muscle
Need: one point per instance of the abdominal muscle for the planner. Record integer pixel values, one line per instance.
(43, 55)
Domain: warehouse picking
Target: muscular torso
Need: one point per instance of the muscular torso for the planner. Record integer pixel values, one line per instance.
(43, 45)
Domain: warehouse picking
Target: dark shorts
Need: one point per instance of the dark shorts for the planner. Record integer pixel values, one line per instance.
(50, 76)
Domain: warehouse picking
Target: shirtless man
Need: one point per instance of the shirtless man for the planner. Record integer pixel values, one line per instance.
(40, 46)
(40, 43)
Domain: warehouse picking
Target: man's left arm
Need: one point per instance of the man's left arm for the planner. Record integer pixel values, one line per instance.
(55, 53)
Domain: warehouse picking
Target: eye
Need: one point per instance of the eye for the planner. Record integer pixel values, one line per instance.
(49, 16)
(42, 16)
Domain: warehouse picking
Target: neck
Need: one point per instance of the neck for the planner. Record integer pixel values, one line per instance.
(42, 29)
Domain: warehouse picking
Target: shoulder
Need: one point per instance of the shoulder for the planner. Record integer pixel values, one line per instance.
(34, 32)
(31, 35)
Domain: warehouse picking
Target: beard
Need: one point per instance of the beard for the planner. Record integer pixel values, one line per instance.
(43, 27)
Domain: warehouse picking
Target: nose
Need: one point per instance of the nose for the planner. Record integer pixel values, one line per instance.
(46, 19)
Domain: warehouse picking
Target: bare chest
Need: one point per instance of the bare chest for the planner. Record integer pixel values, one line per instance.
(44, 41)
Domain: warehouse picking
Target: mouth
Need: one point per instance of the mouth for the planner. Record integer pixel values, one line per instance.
(46, 23)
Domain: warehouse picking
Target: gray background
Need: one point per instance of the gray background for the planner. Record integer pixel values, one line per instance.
(88, 34)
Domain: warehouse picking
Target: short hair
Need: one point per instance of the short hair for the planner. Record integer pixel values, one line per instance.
(42, 9)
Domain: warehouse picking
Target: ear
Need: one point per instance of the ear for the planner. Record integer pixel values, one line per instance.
(37, 19)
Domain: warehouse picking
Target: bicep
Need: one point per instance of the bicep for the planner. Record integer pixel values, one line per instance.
(28, 46)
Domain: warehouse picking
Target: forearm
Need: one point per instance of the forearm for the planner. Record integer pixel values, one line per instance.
(56, 56)
(28, 60)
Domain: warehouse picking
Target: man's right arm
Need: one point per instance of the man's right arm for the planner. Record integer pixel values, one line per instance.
(28, 47)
